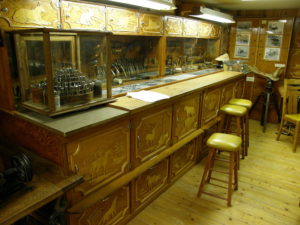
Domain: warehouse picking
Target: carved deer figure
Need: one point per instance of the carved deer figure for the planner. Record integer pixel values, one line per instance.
(151, 180)
(150, 137)
(110, 212)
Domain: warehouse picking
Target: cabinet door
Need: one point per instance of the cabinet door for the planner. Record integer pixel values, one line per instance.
(190, 27)
(211, 103)
(205, 30)
(227, 93)
(151, 133)
(77, 15)
(215, 31)
(149, 183)
(19, 13)
(122, 20)
(151, 24)
(182, 159)
(102, 157)
(173, 26)
(239, 89)
(186, 115)
(113, 209)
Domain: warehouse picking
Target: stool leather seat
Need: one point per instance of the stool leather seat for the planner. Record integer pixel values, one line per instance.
(225, 142)
(295, 117)
(241, 102)
(234, 110)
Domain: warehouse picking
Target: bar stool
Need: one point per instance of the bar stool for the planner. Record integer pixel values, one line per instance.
(226, 143)
(248, 104)
(239, 113)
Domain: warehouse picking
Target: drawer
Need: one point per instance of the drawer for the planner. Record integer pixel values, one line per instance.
(149, 183)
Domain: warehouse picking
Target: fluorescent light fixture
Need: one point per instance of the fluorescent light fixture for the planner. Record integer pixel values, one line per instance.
(151, 4)
(209, 14)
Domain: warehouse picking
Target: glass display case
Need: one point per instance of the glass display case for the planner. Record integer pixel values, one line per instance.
(63, 70)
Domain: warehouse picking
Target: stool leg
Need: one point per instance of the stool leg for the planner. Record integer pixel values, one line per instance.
(239, 132)
(231, 167)
(236, 156)
(296, 136)
(265, 118)
(247, 132)
(280, 129)
(205, 172)
(212, 162)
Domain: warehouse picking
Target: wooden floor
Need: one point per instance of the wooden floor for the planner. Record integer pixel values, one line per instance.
(269, 190)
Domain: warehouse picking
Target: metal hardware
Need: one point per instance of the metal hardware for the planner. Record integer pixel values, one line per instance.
(5, 10)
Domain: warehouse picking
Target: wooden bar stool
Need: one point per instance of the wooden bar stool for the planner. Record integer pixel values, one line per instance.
(227, 143)
(248, 104)
(239, 113)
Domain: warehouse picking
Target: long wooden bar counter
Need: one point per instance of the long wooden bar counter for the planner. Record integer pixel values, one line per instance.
(129, 151)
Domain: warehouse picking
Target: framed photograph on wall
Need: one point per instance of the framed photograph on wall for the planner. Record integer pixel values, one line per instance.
(241, 52)
(272, 54)
(244, 26)
(242, 39)
(273, 40)
(275, 27)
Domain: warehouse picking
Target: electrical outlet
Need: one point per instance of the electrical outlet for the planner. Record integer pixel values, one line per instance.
(250, 79)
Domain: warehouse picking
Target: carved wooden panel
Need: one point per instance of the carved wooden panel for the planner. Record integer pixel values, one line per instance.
(227, 93)
(173, 26)
(182, 159)
(152, 133)
(151, 24)
(204, 139)
(149, 183)
(239, 89)
(77, 15)
(101, 157)
(35, 13)
(35, 138)
(215, 31)
(190, 27)
(205, 29)
(211, 103)
(186, 114)
(113, 209)
(122, 20)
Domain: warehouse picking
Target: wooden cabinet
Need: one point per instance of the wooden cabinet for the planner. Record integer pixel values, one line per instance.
(211, 104)
(100, 157)
(190, 27)
(227, 93)
(78, 15)
(182, 159)
(239, 89)
(149, 183)
(113, 209)
(151, 133)
(19, 13)
(204, 29)
(122, 20)
(173, 26)
(186, 115)
(151, 24)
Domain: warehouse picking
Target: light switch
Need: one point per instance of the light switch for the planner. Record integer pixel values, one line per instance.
(250, 79)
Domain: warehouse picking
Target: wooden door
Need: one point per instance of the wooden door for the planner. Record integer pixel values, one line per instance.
(149, 183)
(113, 209)
(100, 157)
(173, 26)
(182, 159)
(190, 27)
(227, 93)
(122, 20)
(151, 133)
(151, 24)
(78, 15)
(186, 115)
(211, 104)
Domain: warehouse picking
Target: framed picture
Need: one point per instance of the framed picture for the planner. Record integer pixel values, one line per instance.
(273, 40)
(244, 26)
(272, 54)
(275, 27)
(242, 38)
(241, 52)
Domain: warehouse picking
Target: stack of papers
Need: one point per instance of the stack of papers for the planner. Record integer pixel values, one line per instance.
(147, 96)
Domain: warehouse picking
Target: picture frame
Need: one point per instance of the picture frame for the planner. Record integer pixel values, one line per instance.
(274, 40)
(242, 38)
(244, 26)
(275, 27)
(272, 54)
(241, 51)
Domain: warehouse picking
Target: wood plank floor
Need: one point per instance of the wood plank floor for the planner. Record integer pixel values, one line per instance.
(269, 189)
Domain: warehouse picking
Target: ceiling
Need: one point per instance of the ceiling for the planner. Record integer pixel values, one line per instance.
(248, 4)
